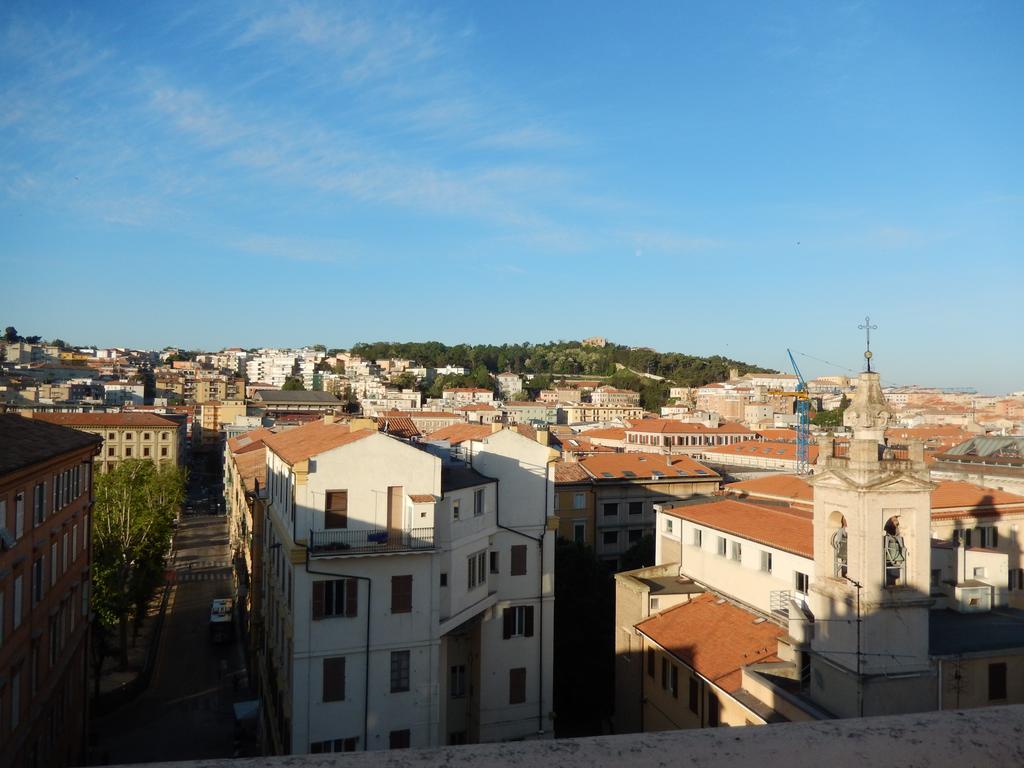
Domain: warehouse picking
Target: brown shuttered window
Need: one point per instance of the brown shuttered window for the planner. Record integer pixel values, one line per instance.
(319, 590)
(336, 509)
(401, 594)
(339, 597)
(334, 679)
(517, 685)
(518, 560)
(517, 621)
(351, 597)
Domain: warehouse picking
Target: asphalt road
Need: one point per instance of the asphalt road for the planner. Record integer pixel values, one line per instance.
(186, 713)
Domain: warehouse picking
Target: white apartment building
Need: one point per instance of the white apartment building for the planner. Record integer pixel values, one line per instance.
(407, 600)
(509, 384)
(271, 368)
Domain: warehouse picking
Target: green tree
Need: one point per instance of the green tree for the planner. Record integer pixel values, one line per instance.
(135, 505)
(11, 334)
(832, 419)
(292, 384)
(404, 381)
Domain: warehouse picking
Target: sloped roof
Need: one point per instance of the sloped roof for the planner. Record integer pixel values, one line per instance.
(121, 419)
(249, 441)
(24, 442)
(252, 467)
(788, 530)
(570, 472)
(674, 426)
(764, 449)
(399, 426)
(310, 439)
(606, 433)
(643, 466)
(715, 637)
(295, 396)
(460, 433)
(789, 487)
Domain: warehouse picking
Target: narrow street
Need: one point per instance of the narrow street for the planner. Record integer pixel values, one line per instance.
(186, 713)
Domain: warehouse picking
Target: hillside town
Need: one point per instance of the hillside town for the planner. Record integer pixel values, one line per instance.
(380, 557)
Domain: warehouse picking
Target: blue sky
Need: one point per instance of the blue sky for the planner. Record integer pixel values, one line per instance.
(698, 177)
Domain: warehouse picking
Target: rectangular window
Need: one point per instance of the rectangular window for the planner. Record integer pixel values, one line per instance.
(336, 509)
(337, 597)
(668, 525)
(997, 681)
(578, 501)
(444, 580)
(401, 594)
(457, 681)
(456, 509)
(518, 560)
(720, 546)
(16, 602)
(698, 537)
(53, 564)
(334, 679)
(650, 663)
(673, 682)
(694, 695)
(145, 451)
(163, 451)
(517, 621)
(15, 698)
(801, 582)
(19, 515)
(399, 671)
(611, 509)
(37, 580)
(476, 570)
(38, 504)
(664, 673)
(636, 507)
(478, 502)
(579, 532)
(517, 685)
(128, 450)
(635, 534)
(64, 553)
(766, 562)
(713, 710)
(399, 739)
(494, 561)
(110, 452)
(737, 551)
(610, 537)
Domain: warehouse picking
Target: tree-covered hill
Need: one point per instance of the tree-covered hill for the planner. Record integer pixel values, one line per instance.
(554, 358)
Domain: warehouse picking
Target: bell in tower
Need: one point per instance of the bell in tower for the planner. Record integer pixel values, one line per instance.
(870, 595)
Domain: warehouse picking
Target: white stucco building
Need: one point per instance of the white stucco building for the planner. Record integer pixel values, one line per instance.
(408, 600)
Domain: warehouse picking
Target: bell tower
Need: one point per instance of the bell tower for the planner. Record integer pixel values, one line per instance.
(872, 568)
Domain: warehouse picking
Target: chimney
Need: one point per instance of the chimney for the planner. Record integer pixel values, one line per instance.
(734, 373)
(543, 436)
(496, 426)
(330, 418)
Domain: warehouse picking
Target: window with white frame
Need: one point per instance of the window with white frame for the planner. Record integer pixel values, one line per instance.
(801, 582)
(668, 525)
(476, 570)
(766, 561)
(698, 537)
(737, 551)
(721, 545)
(578, 501)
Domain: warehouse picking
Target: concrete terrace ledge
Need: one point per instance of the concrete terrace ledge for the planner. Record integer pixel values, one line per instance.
(992, 736)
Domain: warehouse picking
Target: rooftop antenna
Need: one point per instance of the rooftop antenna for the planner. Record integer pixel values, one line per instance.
(867, 327)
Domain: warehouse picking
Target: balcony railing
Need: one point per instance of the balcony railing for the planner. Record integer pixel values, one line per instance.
(341, 542)
(779, 602)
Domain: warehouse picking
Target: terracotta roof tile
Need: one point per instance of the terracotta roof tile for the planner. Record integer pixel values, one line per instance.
(477, 407)
(570, 472)
(422, 498)
(777, 434)
(956, 495)
(674, 426)
(249, 441)
(399, 426)
(460, 433)
(310, 439)
(646, 466)
(252, 467)
(773, 527)
(609, 433)
(714, 637)
(763, 449)
(785, 487)
(122, 419)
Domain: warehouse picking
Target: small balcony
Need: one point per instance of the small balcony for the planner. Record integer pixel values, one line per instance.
(341, 542)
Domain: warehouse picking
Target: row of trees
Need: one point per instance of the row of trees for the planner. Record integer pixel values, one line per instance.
(133, 516)
(568, 358)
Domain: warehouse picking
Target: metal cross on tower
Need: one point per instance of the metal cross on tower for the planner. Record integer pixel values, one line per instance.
(868, 328)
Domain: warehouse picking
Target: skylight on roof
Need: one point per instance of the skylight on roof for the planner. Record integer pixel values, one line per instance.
(701, 472)
(607, 474)
(628, 473)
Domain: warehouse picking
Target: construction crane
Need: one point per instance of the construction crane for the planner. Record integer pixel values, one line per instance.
(803, 424)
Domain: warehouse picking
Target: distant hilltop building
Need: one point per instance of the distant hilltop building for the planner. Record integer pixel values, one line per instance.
(595, 341)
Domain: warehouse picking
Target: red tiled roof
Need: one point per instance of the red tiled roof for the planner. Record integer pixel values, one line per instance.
(124, 419)
(306, 441)
(954, 495)
(399, 426)
(477, 407)
(777, 434)
(785, 487)
(252, 467)
(674, 426)
(764, 450)
(570, 472)
(422, 498)
(609, 433)
(248, 441)
(459, 433)
(715, 638)
(791, 531)
(624, 466)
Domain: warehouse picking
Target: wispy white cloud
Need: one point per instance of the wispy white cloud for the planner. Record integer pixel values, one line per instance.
(298, 249)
